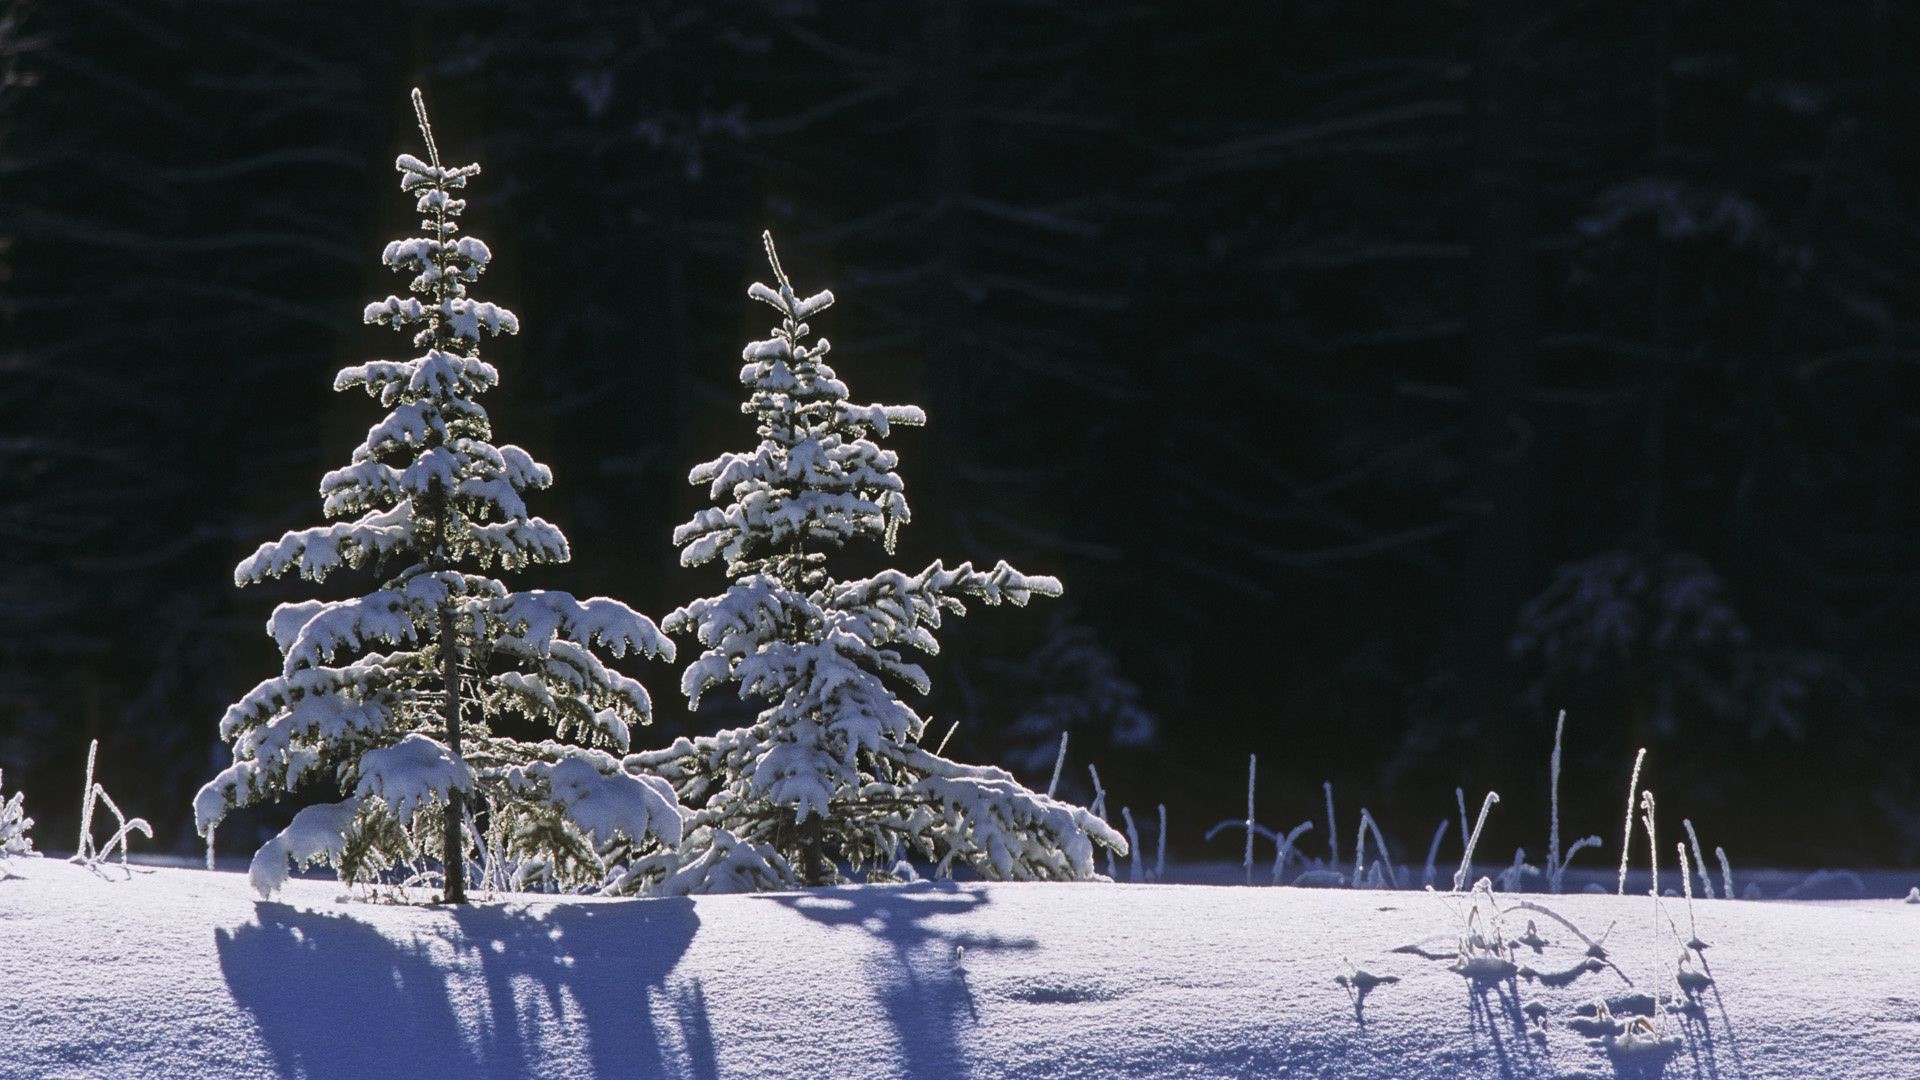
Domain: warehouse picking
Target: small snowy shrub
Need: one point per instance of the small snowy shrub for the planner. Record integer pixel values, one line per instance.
(94, 794)
(394, 698)
(14, 824)
(832, 769)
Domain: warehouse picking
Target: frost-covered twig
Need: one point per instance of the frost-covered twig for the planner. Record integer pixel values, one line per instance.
(1626, 841)
(1059, 760)
(85, 853)
(1133, 845)
(1699, 859)
(1686, 882)
(1726, 872)
(1466, 858)
(1553, 797)
(1333, 829)
(1284, 849)
(1433, 852)
(1253, 762)
(1380, 845)
(1160, 855)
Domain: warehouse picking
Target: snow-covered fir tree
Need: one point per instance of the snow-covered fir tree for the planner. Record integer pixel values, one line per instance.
(15, 825)
(417, 700)
(832, 769)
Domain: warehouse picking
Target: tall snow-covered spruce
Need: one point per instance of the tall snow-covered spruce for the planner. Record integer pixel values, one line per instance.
(832, 771)
(420, 700)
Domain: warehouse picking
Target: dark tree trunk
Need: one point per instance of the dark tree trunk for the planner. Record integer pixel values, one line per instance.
(812, 847)
(453, 856)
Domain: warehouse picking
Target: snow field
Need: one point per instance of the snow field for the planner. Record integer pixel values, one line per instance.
(180, 973)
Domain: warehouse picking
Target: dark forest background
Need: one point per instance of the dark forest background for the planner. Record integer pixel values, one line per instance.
(1379, 378)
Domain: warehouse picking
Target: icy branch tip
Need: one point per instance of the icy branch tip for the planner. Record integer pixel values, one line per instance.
(426, 129)
(773, 257)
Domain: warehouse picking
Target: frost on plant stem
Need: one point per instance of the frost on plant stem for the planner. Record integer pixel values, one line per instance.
(1466, 857)
(1333, 829)
(85, 852)
(1380, 847)
(832, 770)
(1433, 852)
(1133, 845)
(442, 705)
(1247, 862)
(1626, 841)
(1699, 860)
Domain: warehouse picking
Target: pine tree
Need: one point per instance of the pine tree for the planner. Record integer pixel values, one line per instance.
(832, 769)
(414, 736)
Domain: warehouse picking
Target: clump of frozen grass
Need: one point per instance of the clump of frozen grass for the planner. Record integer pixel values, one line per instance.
(1686, 882)
(85, 853)
(1699, 860)
(1099, 807)
(1285, 851)
(14, 826)
(1466, 858)
(1556, 863)
(1433, 852)
(1626, 840)
(1513, 876)
(1380, 847)
(1483, 955)
(1133, 845)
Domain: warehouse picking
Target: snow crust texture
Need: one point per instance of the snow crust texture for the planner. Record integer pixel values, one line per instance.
(178, 973)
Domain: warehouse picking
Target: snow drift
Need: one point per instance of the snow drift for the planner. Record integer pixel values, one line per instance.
(180, 973)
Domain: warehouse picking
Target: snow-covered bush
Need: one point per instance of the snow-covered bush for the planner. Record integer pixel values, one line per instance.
(14, 824)
(394, 697)
(832, 770)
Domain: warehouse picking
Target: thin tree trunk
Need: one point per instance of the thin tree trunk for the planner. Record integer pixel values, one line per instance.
(453, 857)
(812, 846)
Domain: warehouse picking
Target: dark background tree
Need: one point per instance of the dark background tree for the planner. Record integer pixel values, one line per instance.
(1378, 382)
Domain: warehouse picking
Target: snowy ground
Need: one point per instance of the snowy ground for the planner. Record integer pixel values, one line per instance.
(180, 973)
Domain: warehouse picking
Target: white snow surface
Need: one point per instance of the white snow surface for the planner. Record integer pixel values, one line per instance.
(180, 973)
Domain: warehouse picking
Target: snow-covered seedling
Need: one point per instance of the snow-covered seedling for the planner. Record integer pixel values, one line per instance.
(394, 698)
(832, 769)
(15, 825)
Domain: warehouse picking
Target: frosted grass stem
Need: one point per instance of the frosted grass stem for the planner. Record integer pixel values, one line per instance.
(1333, 829)
(1699, 859)
(1466, 859)
(1160, 856)
(1553, 836)
(1433, 852)
(1059, 760)
(1253, 762)
(84, 850)
(1626, 841)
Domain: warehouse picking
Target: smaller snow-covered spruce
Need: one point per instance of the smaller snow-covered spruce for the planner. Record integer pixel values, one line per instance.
(15, 825)
(832, 770)
(396, 698)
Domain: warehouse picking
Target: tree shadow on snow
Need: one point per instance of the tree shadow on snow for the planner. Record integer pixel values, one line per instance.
(335, 997)
(924, 989)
